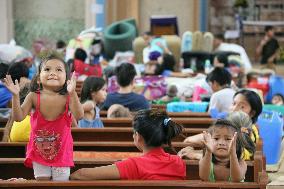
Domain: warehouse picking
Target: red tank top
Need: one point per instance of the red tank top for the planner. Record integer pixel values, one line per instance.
(51, 142)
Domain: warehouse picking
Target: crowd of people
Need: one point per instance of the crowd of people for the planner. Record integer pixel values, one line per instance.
(226, 144)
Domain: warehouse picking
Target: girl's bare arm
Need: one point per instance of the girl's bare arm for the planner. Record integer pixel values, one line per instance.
(238, 168)
(18, 112)
(205, 162)
(75, 105)
(109, 172)
(195, 140)
(204, 166)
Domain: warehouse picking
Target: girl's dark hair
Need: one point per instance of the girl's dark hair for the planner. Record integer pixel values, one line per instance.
(18, 70)
(155, 127)
(35, 83)
(168, 63)
(91, 84)
(254, 101)
(240, 143)
(80, 54)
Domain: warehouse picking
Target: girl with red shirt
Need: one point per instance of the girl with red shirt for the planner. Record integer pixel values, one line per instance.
(152, 129)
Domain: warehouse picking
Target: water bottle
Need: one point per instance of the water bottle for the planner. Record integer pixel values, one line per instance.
(207, 66)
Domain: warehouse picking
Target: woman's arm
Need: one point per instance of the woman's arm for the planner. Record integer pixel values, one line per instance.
(109, 172)
(180, 74)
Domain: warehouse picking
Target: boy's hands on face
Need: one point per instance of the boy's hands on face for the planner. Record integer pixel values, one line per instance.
(208, 141)
(71, 84)
(13, 88)
(232, 146)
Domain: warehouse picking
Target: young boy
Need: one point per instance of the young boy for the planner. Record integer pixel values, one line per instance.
(125, 96)
(222, 98)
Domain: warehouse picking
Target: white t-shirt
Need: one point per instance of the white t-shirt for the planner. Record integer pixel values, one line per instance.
(222, 100)
(238, 49)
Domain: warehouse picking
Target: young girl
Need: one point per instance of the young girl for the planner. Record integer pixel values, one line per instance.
(244, 100)
(249, 102)
(222, 159)
(152, 129)
(50, 149)
(93, 93)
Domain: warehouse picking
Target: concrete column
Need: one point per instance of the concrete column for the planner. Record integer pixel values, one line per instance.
(90, 15)
(6, 17)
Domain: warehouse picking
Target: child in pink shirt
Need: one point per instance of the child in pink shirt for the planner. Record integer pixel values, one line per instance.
(152, 129)
(50, 149)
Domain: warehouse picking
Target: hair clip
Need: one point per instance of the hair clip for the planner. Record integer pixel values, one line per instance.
(166, 120)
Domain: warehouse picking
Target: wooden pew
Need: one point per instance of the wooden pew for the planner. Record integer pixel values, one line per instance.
(256, 177)
(17, 149)
(103, 113)
(14, 167)
(134, 184)
(114, 134)
(3, 122)
(119, 134)
(186, 122)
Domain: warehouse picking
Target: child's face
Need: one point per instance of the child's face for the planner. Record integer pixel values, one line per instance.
(277, 100)
(222, 137)
(100, 96)
(53, 74)
(240, 103)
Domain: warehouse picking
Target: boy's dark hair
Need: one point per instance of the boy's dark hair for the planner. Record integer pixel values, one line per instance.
(125, 74)
(60, 44)
(254, 101)
(80, 54)
(268, 28)
(18, 70)
(3, 70)
(221, 123)
(223, 58)
(221, 76)
(155, 127)
(36, 86)
(91, 84)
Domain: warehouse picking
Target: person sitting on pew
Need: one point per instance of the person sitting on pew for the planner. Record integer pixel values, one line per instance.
(219, 80)
(93, 93)
(222, 160)
(151, 130)
(18, 131)
(117, 110)
(244, 100)
(125, 96)
(50, 148)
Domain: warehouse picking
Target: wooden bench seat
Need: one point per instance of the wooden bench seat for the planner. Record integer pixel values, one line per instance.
(186, 122)
(14, 167)
(103, 113)
(133, 184)
(17, 149)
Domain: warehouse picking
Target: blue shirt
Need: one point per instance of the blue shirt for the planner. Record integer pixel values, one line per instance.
(95, 123)
(5, 96)
(132, 101)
